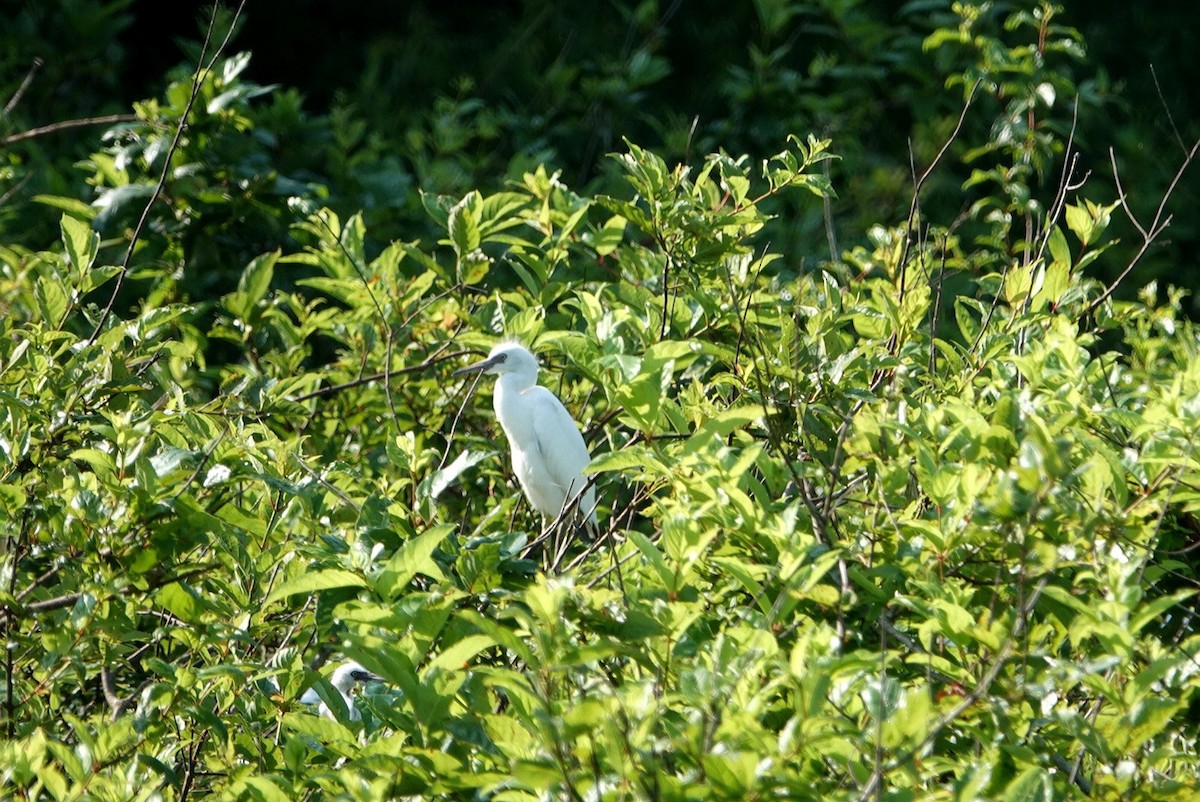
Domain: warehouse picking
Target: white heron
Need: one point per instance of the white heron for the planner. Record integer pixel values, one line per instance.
(344, 679)
(548, 452)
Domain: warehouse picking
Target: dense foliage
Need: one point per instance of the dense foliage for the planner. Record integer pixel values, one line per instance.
(912, 518)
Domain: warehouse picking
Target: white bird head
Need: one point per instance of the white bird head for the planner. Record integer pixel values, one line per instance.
(507, 358)
(350, 674)
(343, 679)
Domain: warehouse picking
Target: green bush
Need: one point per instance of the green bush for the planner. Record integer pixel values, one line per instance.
(913, 524)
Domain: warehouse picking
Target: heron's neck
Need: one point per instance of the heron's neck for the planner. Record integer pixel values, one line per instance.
(507, 401)
(515, 383)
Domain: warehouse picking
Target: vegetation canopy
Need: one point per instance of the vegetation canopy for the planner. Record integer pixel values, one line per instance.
(896, 502)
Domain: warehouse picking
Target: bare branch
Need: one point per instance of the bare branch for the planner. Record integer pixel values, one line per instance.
(331, 389)
(1170, 118)
(1157, 226)
(197, 82)
(1065, 182)
(919, 182)
(16, 98)
(53, 128)
(1123, 198)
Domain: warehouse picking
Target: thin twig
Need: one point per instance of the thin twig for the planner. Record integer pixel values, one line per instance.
(1170, 117)
(65, 125)
(919, 182)
(16, 98)
(197, 83)
(1065, 182)
(1122, 197)
(737, 349)
(1157, 225)
(15, 188)
(388, 334)
(429, 362)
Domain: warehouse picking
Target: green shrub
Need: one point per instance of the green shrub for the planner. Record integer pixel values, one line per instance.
(915, 524)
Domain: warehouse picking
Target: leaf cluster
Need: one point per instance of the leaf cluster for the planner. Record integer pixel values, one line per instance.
(918, 523)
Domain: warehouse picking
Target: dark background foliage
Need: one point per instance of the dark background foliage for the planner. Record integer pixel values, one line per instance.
(447, 97)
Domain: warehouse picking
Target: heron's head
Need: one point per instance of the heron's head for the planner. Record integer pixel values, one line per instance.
(507, 357)
(350, 674)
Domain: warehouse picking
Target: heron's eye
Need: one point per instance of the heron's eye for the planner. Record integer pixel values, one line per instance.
(501, 357)
(360, 676)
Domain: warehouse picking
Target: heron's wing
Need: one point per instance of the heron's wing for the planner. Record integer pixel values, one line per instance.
(558, 438)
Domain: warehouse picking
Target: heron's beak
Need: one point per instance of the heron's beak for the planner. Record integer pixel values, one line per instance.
(366, 676)
(478, 367)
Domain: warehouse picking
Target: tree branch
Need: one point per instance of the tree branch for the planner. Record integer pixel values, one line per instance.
(16, 98)
(197, 82)
(1157, 226)
(53, 128)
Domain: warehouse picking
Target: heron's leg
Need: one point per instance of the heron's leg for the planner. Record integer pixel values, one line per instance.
(562, 540)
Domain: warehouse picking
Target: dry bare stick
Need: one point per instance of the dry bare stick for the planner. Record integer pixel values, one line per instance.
(1065, 182)
(1150, 233)
(388, 334)
(935, 310)
(610, 538)
(919, 183)
(20, 93)
(83, 122)
(337, 491)
(119, 704)
(827, 209)
(1065, 185)
(1167, 109)
(15, 188)
(197, 82)
(737, 350)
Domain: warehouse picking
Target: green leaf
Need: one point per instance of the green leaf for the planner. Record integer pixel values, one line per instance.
(635, 456)
(314, 581)
(256, 278)
(262, 789)
(72, 206)
(349, 291)
(665, 574)
(1055, 283)
(12, 499)
(721, 425)
(182, 601)
(609, 236)
(501, 636)
(414, 557)
(101, 462)
(322, 729)
(463, 223)
(51, 299)
(99, 276)
(1032, 785)
(1080, 222)
(81, 243)
(1150, 611)
(1060, 251)
(458, 656)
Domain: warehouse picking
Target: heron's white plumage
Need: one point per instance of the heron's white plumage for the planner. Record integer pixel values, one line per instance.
(343, 679)
(548, 451)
